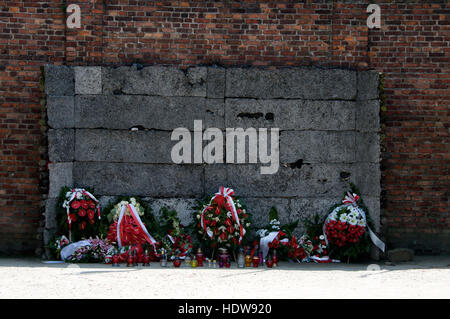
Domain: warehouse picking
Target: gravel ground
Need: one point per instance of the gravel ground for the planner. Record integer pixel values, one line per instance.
(425, 277)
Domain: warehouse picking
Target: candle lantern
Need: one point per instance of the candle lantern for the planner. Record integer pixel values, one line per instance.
(255, 261)
(177, 262)
(115, 260)
(248, 261)
(275, 258)
(163, 258)
(146, 259)
(241, 259)
(108, 259)
(187, 261)
(130, 259)
(224, 257)
(228, 262)
(199, 257)
(194, 263)
(269, 262)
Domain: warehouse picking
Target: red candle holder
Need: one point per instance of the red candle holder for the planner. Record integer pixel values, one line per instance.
(255, 261)
(269, 263)
(200, 258)
(275, 260)
(130, 260)
(115, 260)
(177, 263)
(108, 260)
(146, 260)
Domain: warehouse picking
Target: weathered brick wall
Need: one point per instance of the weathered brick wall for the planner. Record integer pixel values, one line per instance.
(411, 49)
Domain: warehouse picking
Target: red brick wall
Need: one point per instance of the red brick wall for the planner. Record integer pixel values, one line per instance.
(411, 48)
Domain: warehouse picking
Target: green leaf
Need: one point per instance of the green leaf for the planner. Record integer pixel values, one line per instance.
(273, 214)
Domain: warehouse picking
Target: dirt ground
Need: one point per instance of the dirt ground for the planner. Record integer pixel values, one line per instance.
(425, 277)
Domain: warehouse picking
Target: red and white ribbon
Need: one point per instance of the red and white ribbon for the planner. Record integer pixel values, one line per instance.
(73, 194)
(226, 193)
(323, 260)
(265, 241)
(139, 223)
(351, 199)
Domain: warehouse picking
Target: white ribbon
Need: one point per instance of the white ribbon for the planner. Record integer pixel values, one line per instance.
(376, 241)
(323, 259)
(265, 241)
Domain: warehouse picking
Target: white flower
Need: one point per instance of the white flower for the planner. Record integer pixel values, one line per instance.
(321, 237)
(229, 214)
(198, 216)
(247, 225)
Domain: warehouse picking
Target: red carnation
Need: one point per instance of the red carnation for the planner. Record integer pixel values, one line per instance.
(81, 212)
(84, 204)
(82, 225)
(75, 204)
(223, 236)
(91, 214)
(228, 222)
(91, 204)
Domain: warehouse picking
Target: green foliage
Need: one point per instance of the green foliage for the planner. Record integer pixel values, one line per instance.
(273, 214)
(313, 226)
(168, 221)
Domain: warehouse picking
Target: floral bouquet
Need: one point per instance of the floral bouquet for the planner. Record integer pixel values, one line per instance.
(275, 234)
(92, 250)
(223, 221)
(129, 218)
(78, 213)
(295, 251)
(174, 240)
(347, 229)
(315, 248)
(57, 244)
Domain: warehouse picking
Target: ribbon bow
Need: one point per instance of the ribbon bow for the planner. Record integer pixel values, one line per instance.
(223, 196)
(351, 199)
